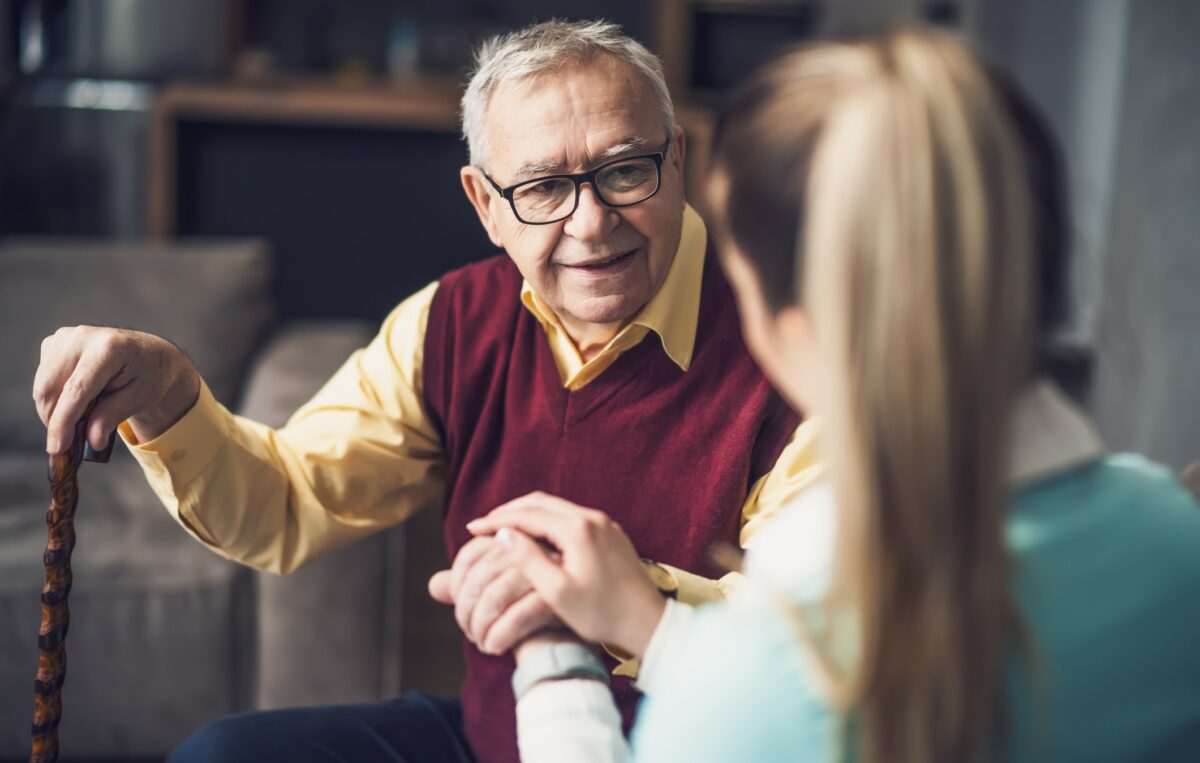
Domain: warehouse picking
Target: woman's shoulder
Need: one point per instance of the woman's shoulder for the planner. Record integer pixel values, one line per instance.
(1135, 472)
(1116, 491)
(1121, 515)
(1105, 560)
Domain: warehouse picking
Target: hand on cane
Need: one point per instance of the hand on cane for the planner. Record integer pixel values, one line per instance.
(127, 374)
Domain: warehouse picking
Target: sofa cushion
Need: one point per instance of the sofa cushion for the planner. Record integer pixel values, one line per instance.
(210, 298)
(161, 629)
(296, 363)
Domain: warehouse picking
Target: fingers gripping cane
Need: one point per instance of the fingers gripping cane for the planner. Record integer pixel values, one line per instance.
(52, 635)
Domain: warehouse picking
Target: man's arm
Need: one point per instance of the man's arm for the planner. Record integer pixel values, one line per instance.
(360, 456)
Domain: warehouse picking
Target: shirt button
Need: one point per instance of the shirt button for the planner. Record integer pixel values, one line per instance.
(179, 455)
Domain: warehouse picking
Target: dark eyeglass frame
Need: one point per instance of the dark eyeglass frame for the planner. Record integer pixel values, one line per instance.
(584, 177)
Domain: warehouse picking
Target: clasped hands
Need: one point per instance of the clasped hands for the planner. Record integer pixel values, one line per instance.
(541, 568)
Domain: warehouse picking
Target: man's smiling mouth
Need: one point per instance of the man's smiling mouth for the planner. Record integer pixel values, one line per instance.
(610, 263)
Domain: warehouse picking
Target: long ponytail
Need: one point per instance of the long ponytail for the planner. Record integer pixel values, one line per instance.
(914, 263)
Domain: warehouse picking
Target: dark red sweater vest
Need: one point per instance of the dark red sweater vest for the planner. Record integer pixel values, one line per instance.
(669, 455)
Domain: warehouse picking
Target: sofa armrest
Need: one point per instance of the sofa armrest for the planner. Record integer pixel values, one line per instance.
(324, 632)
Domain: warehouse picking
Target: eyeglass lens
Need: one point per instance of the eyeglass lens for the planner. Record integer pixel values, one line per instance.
(618, 184)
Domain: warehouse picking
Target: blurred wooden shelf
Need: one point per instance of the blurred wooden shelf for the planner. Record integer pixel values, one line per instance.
(424, 104)
(420, 103)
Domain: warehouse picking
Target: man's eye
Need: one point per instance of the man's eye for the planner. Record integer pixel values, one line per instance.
(627, 177)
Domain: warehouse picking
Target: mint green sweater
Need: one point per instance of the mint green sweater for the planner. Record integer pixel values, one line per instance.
(1107, 576)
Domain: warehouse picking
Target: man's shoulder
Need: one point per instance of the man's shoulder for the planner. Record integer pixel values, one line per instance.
(497, 271)
(484, 295)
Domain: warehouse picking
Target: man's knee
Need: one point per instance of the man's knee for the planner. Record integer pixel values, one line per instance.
(233, 738)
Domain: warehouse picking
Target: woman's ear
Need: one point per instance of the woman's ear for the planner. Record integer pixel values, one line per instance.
(801, 368)
(795, 326)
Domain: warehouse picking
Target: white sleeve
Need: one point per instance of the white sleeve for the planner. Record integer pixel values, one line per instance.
(574, 719)
(667, 640)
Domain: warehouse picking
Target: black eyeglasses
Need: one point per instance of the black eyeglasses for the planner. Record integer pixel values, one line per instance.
(619, 183)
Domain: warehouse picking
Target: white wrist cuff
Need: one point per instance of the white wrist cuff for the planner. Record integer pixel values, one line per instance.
(557, 661)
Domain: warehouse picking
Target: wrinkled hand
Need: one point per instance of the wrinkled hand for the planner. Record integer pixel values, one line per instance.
(595, 583)
(136, 376)
(494, 605)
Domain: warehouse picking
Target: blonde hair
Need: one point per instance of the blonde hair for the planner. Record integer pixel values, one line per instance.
(913, 258)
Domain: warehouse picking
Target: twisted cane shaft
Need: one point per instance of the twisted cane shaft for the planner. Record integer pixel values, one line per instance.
(56, 617)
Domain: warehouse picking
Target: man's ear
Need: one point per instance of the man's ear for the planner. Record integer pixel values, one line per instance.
(479, 193)
(680, 153)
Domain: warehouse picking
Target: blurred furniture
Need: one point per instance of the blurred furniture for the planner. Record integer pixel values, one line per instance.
(74, 124)
(166, 635)
(134, 39)
(707, 46)
(73, 157)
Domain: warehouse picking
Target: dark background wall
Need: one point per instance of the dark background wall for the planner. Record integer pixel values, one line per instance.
(365, 219)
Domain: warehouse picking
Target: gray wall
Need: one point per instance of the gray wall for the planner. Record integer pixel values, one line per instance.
(1148, 388)
(1119, 81)
(1069, 55)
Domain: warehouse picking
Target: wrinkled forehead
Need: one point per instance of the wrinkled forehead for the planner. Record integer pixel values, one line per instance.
(571, 117)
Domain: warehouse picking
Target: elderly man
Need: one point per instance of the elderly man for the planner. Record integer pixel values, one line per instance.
(600, 361)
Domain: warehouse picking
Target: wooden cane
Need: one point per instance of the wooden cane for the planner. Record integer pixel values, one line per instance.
(52, 635)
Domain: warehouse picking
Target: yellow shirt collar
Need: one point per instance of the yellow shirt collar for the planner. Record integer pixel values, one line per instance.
(672, 313)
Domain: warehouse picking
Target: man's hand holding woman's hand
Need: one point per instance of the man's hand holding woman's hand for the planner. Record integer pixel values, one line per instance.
(593, 579)
(494, 605)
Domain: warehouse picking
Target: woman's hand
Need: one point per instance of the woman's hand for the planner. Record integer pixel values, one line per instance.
(596, 585)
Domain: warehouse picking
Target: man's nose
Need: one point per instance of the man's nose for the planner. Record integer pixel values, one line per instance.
(591, 221)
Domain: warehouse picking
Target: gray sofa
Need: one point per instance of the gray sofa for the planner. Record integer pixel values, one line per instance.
(164, 634)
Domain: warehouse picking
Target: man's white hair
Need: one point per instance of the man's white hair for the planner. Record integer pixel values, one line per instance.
(540, 48)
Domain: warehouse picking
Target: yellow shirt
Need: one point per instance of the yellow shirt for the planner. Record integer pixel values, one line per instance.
(362, 455)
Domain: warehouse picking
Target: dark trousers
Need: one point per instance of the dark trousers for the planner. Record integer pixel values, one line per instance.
(416, 728)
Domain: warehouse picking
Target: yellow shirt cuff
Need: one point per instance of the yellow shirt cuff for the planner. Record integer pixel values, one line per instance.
(690, 589)
(695, 589)
(184, 450)
(175, 458)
